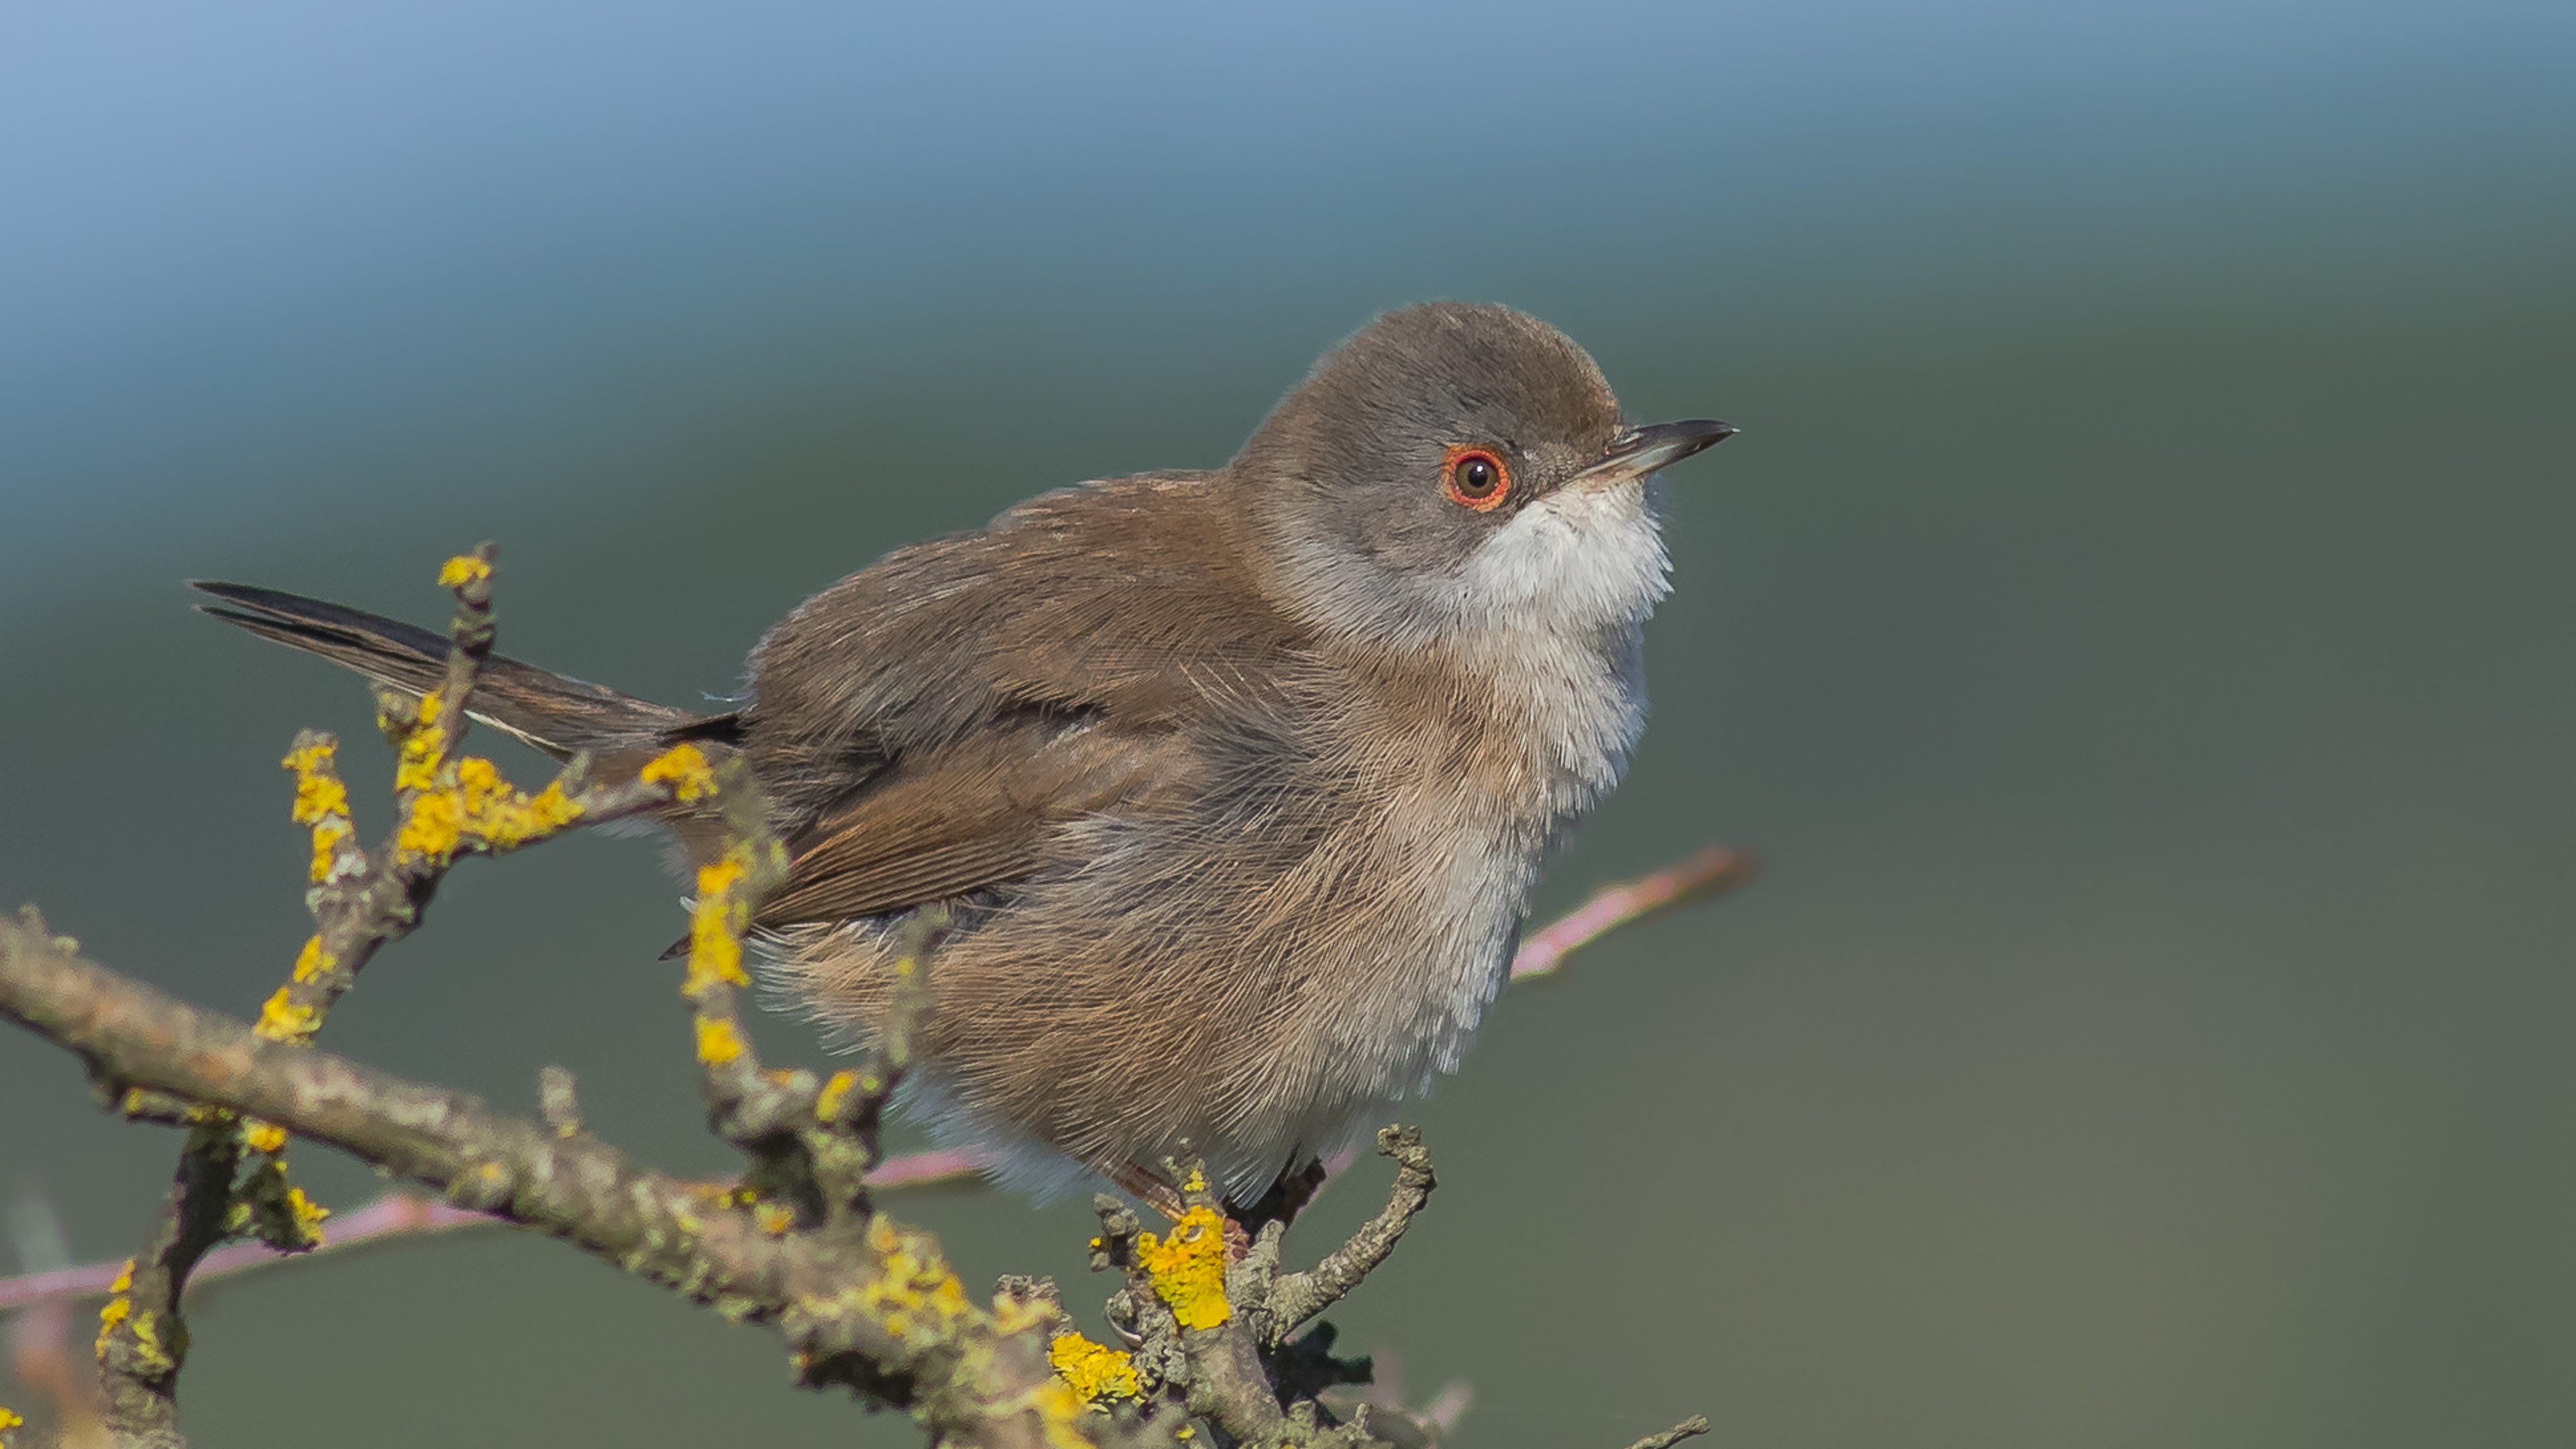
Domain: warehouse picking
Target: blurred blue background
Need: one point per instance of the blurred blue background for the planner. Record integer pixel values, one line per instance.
(2135, 625)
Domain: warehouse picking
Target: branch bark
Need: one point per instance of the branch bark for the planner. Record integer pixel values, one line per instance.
(797, 1243)
(1707, 873)
(876, 1290)
(1296, 1297)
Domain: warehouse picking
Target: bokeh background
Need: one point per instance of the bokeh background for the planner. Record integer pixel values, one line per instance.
(2135, 625)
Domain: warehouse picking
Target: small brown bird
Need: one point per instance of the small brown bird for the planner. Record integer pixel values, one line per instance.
(1237, 781)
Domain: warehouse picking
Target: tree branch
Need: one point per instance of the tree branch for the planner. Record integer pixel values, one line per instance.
(1692, 1427)
(1714, 871)
(875, 1291)
(1296, 1297)
(796, 1243)
(1708, 873)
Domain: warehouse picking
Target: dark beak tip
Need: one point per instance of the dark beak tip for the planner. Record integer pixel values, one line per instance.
(1650, 449)
(1676, 441)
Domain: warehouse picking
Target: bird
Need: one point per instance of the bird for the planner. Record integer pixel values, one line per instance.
(1234, 782)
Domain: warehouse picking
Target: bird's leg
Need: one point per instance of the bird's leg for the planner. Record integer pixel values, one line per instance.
(1286, 1197)
(1145, 1184)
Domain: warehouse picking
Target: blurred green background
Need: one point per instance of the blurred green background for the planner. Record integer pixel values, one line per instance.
(2135, 626)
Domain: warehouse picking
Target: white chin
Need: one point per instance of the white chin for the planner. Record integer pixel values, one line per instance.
(1580, 558)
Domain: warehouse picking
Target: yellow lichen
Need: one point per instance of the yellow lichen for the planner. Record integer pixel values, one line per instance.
(321, 801)
(835, 1095)
(550, 809)
(326, 848)
(717, 879)
(147, 1343)
(307, 1215)
(1092, 1370)
(433, 827)
(282, 1018)
(500, 817)
(913, 1286)
(318, 792)
(1188, 1268)
(313, 960)
(124, 1278)
(116, 1311)
(261, 1136)
(686, 770)
(482, 810)
(9, 1420)
(775, 1218)
(416, 760)
(715, 948)
(461, 570)
(479, 782)
(1013, 1314)
(1060, 1412)
(718, 1042)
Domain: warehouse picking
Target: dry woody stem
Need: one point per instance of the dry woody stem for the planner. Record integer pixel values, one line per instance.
(795, 1242)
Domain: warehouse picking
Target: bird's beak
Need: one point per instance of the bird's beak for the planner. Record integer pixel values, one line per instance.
(1641, 451)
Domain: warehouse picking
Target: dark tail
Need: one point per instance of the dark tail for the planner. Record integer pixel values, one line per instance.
(556, 713)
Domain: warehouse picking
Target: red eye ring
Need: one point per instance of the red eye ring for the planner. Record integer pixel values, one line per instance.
(1475, 478)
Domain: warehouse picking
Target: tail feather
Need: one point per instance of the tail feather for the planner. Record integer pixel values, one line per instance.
(554, 712)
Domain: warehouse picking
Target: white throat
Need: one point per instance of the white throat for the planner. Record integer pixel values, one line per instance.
(1555, 604)
(1579, 561)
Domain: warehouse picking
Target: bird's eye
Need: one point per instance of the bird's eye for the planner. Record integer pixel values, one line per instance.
(1475, 478)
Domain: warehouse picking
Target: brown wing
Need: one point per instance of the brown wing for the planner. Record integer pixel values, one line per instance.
(928, 727)
(1081, 605)
(953, 821)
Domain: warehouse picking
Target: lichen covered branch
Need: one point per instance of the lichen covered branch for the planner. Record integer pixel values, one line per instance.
(876, 1292)
(1692, 1427)
(232, 1177)
(1208, 1318)
(406, 1214)
(1296, 1297)
(1703, 875)
(796, 1242)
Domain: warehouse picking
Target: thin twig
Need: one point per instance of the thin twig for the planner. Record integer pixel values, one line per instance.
(1707, 874)
(1691, 1427)
(796, 1243)
(395, 1215)
(360, 901)
(44, 1355)
(1712, 872)
(876, 1291)
(1296, 1297)
(399, 1215)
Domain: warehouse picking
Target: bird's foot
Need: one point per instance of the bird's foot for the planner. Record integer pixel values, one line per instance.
(1142, 1183)
(1162, 1197)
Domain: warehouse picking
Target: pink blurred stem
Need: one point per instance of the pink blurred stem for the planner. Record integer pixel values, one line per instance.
(1708, 873)
(401, 1215)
